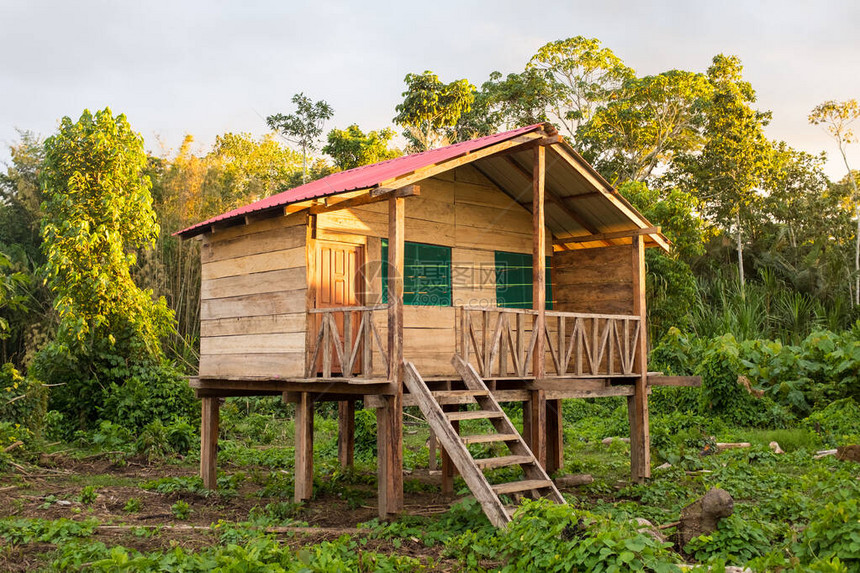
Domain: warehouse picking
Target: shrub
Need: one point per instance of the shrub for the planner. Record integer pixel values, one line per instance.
(365, 433)
(736, 540)
(549, 537)
(837, 423)
(23, 400)
(834, 531)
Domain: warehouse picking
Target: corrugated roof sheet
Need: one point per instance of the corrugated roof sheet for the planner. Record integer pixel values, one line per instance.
(364, 177)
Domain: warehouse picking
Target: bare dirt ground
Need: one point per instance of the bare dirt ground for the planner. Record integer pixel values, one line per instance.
(52, 490)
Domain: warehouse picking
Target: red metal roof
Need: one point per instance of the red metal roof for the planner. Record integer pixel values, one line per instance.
(363, 177)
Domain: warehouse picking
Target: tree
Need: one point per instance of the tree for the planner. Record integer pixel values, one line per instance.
(727, 174)
(837, 117)
(522, 99)
(352, 147)
(645, 123)
(431, 109)
(98, 213)
(580, 75)
(303, 127)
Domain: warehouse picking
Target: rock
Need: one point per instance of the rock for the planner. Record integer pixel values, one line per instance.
(648, 528)
(775, 447)
(607, 441)
(848, 453)
(574, 480)
(701, 516)
(64, 502)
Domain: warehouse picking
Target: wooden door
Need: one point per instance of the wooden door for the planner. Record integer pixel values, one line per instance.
(337, 283)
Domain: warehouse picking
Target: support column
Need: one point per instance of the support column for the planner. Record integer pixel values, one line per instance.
(554, 436)
(637, 405)
(448, 469)
(304, 438)
(346, 433)
(537, 400)
(209, 420)
(389, 418)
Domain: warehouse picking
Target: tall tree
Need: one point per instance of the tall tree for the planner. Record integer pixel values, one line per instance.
(837, 117)
(351, 147)
(581, 73)
(727, 174)
(304, 127)
(645, 123)
(98, 214)
(431, 109)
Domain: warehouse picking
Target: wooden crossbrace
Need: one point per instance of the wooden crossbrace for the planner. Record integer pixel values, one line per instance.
(536, 479)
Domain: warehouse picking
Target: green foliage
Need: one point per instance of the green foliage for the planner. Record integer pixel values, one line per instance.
(834, 531)
(838, 423)
(431, 109)
(352, 147)
(549, 537)
(721, 395)
(88, 495)
(23, 400)
(736, 541)
(22, 531)
(303, 127)
(181, 510)
(365, 433)
(98, 211)
(133, 505)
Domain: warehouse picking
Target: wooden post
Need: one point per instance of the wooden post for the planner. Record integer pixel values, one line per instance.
(554, 436)
(537, 401)
(346, 433)
(448, 469)
(432, 444)
(304, 437)
(389, 418)
(637, 405)
(209, 442)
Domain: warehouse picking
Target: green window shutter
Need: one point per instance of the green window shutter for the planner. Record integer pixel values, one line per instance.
(427, 274)
(514, 280)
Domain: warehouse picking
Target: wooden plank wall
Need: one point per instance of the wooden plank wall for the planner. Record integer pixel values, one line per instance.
(593, 280)
(460, 209)
(253, 299)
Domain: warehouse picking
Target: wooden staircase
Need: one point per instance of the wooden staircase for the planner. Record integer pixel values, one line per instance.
(536, 483)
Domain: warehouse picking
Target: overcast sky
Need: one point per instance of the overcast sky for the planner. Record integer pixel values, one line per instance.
(176, 67)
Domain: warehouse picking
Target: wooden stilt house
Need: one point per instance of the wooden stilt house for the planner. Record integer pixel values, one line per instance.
(495, 270)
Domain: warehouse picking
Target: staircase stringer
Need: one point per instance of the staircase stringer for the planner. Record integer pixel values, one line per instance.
(454, 446)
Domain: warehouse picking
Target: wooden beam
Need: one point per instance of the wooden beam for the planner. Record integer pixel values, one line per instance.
(209, 442)
(539, 258)
(604, 189)
(637, 405)
(389, 418)
(607, 236)
(304, 443)
(346, 433)
(405, 191)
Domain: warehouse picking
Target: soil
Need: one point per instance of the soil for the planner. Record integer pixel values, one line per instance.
(51, 491)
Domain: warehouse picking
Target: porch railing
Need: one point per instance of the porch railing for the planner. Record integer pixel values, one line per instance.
(500, 342)
(346, 341)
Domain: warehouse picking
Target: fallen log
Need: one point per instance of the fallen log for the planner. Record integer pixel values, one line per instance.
(723, 446)
(574, 480)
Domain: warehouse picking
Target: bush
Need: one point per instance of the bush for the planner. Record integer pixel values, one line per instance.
(834, 531)
(365, 433)
(547, 537)
(23, 400)
(838, 423)
(736, 540)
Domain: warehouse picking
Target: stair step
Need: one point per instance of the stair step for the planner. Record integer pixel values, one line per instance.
(473, 415)
(503, 461)
(524, 485)
(458, 393)
(489, 438)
